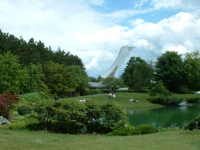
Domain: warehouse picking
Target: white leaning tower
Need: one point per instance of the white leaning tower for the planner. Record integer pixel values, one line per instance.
(113, 71)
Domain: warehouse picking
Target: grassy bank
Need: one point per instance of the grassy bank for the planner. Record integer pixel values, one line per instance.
(123, 99)
(13, 140)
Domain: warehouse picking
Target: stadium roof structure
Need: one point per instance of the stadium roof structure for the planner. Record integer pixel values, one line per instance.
(113, 71)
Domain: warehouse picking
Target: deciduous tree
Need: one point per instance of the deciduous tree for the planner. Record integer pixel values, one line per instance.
(10, 72)
(80, 77)
(192, 70)
(58, 78)
(138, 73)
(169, 69)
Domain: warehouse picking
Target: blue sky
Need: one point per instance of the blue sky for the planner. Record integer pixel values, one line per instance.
(95, 30)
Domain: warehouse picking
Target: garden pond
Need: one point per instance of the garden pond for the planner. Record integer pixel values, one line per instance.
(165, 116)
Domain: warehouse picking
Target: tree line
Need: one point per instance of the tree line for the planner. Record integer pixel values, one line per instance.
(178, 73)
(30, 66)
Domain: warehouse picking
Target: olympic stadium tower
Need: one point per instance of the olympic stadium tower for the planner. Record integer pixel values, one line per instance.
(113, 71)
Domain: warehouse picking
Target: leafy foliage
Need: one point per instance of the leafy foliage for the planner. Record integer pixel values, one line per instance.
(113, 116)
(169, 70)
(159, 89)
(24, 110)
(75, 117)
(80, 78)
(58, 79)
(24, 67)
(31, 79)
(35, 52)
(9, 73)
(6, 103)
(192, 70)
(138, 73)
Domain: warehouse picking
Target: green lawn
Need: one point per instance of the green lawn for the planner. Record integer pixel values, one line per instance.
(123, 99)
(29, 140)
(176, 140)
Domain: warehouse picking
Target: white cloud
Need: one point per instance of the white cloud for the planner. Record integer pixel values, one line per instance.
(136, 22)
(96, 37)
(92, 64)
(177, 29)
(139, 3)
(171, 47)
(144, 44)
(97, 2)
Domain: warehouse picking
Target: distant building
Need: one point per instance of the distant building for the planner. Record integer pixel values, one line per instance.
(95, 85)
(113, 71)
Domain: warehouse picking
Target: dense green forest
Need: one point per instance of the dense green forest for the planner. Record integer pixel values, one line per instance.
(31, 66)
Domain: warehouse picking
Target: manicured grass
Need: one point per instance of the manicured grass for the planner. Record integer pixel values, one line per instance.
(187, 96)
(27, 140)
(184, 140)
(122, 99)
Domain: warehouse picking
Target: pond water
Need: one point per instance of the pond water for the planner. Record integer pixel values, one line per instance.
(164, 117)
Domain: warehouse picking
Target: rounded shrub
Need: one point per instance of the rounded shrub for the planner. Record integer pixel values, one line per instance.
(146, 129)
(124, 131)
(24, 110)
(193, 123)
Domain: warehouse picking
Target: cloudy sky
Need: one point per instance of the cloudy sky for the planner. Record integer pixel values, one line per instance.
(95, 30)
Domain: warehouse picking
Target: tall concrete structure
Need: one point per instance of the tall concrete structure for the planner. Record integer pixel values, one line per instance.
(113, 71)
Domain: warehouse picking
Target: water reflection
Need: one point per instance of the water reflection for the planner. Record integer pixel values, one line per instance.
(164, 117)
(184, 108)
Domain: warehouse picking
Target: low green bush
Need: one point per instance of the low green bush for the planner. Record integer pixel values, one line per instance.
(124, 131)
(146, 129)
(24, 110)
(192, 124)
(24, 123)
(75, 117)
(17, 125)
(193, 100)
(165, 100)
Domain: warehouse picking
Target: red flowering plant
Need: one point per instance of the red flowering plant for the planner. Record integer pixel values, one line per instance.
(6, 103)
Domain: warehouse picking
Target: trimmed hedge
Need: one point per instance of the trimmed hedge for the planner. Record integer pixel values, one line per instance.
(146, 129)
